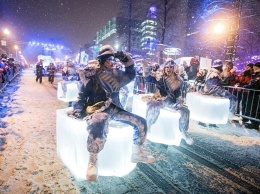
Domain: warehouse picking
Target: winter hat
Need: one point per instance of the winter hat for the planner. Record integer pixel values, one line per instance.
(257, 64)
(250, 65)
(10, 59)
(106, 51)
(217, 63)
(193, 60)
(4, 56)
(169, 62)
(156, 66)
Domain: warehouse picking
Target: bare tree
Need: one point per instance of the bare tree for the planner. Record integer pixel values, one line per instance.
(248, 48)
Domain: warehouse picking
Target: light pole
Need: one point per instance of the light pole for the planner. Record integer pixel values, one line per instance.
(16, 48)
(6, 33)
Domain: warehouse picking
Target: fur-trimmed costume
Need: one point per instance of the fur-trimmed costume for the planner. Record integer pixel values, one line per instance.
(168, 95)
(213, 86)
(98, 103)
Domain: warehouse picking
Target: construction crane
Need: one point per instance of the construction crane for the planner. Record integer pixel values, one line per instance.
(233, 31)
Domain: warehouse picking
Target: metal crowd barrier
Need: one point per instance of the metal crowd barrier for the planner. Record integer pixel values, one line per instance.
(142, 87)
(9, 76)
(248, 102)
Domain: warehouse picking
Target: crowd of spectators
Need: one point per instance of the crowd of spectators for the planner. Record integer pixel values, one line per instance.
(9, 67)
(245, 86)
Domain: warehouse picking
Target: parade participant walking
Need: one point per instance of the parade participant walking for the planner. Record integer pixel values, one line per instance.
(98, 102)
(51, 70)
(170, 95)
(39, 69)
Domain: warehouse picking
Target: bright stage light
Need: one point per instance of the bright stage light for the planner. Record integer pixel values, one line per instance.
(219, 28)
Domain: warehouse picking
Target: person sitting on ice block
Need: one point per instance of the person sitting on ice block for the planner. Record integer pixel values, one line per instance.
(213, 86)
(169, 86)
(69, 75)
(98, 102)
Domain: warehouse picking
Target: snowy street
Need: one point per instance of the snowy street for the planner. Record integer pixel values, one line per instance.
(224, 159)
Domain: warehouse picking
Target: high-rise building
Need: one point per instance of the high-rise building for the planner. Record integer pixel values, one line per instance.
(143, 33)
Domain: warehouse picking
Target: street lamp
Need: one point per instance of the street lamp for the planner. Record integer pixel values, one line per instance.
(219, 28)
(6, 33)
(16, 48)
(116, 46)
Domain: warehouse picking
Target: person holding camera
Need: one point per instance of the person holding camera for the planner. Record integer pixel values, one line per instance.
(98, 103)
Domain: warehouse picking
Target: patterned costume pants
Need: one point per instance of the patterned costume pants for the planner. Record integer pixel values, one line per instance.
(98, 126)
(153, 112)
(64, 85)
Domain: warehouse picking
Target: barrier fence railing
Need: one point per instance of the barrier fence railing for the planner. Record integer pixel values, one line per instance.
(248, 102)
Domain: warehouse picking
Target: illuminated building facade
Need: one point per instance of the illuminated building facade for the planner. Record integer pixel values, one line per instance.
(115, 33)
(143, 33)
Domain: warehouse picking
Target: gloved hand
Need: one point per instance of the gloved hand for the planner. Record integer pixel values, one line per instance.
(124, 58)
(77, 114)
(121, 56)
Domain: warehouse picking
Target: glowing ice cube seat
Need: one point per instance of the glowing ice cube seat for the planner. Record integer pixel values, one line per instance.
(166, 128)
(71, 94)
(208, 109)
(71, 139)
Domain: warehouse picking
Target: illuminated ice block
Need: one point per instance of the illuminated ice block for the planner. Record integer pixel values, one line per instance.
(71, 139)
(130, 88)
(71, 94)
(126, 94)
(166, 128)
(208, 109)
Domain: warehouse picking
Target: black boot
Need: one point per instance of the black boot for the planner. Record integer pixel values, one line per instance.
(252, 126)
(213, 125)
(202, 124)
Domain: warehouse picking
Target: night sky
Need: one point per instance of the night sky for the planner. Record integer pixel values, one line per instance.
(72, 23)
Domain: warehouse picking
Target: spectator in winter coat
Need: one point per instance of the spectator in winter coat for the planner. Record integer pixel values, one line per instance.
(199, 82)
(254, 97)
(241, 80)
(225, 74)
(194, 68)
(2, 71)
